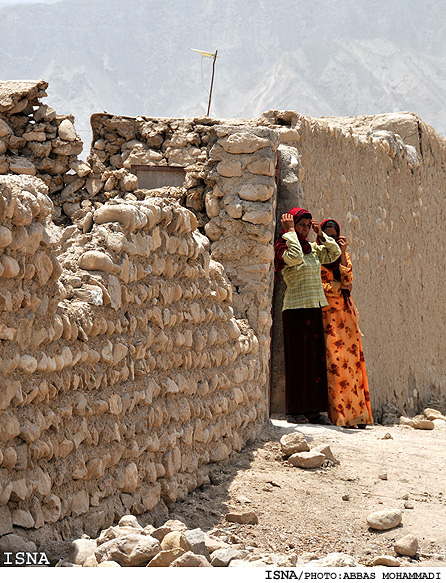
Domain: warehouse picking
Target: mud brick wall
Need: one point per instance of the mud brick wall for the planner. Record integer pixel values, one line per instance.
(125, 373)
(382, 177)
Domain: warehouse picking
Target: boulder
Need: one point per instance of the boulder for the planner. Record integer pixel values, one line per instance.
(326, 450)
(432, 414)
(174, 540)
(130, 521)
(166, 558)
(133, 550)
(195, 542)
(81, 550)
(293, 443)
(67, 131)
(249, 517)
(109, 564)
(243, 143)
(386, 561)
(189, 559)
(407, 545)
(384, 519)
(222, 557)
(169, 526)
(307, 459)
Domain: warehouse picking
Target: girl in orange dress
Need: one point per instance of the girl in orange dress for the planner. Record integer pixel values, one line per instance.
(348, 392)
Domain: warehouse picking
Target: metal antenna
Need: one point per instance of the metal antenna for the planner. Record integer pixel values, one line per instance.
(211, 56)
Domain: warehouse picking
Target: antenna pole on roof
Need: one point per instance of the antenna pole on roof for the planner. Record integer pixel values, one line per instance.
(212, 83)
(214, 57)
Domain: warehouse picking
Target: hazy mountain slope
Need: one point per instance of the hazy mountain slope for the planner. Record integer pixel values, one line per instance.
(324, 57)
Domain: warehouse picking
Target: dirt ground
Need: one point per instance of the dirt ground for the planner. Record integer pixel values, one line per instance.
(324, 510)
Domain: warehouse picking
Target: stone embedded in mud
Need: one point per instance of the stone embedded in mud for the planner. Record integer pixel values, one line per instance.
(256, 192)
(21, 165)
(384, 519)
(97, 261)
(407, 546)
(243, 143)
(67, 131)
(307, 459)
(293, 443)
(249, 517)
(15, 544)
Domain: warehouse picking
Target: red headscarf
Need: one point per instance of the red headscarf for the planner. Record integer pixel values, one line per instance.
(281, 246)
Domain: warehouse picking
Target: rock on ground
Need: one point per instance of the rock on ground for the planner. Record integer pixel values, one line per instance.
(407, 546)
(293, 443)
(384, 519)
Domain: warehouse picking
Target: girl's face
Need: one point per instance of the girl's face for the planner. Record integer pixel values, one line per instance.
(330, 231)
(303, 227)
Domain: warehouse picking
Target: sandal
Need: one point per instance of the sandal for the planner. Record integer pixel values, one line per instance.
(320, 420)
(297, 419)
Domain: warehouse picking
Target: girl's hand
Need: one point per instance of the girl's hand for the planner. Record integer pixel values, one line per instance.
(343, 243)
(287, 221)
(316, 227)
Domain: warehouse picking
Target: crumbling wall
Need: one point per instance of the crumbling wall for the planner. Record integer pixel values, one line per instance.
(124, 371)
(36, 141)
(230, 184)
(122, 142)
(388, 196)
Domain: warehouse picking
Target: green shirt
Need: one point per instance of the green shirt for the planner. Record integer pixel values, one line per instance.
(302, 273)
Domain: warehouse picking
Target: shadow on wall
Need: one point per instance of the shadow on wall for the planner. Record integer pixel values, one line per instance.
(289, 195)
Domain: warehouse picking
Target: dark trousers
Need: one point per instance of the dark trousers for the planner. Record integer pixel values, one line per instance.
(305, 365)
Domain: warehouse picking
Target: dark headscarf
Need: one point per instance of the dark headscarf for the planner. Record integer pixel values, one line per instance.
(281, 246)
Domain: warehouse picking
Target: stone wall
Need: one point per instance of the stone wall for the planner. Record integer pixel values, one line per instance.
(230, 185)
(124, 371)
(137, 323)
(36, 141)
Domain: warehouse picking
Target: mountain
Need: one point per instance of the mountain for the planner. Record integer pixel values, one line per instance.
(324, 57)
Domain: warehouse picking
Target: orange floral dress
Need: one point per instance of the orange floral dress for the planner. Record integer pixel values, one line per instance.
(348, 392)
